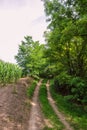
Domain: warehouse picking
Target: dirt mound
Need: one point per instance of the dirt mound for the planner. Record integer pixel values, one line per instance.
(14, 106)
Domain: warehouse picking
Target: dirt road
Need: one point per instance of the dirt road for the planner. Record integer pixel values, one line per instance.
(58, 113)
(36, 121)
(15, 112)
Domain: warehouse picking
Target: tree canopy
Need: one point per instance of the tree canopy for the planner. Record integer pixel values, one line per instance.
(30, 56)
(68, 34)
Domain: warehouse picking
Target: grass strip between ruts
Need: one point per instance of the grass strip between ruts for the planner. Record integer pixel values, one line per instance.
(49, 114)
(30, 89)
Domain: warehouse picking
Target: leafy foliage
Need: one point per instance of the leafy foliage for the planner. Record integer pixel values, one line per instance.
(30, 57)
(66, 43)
(73, 88)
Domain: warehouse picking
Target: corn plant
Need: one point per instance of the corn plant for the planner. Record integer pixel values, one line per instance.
(9, 73)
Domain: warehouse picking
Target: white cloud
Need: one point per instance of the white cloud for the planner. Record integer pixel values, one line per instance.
(15, 23)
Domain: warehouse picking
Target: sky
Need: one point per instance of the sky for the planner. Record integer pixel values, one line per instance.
(19, 18)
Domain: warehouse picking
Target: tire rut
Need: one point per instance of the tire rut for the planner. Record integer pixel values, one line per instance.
(60, 116)
(36, 121)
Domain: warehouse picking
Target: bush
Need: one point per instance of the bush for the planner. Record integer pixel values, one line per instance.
(61, 83)
(79, 90)
(73, 88)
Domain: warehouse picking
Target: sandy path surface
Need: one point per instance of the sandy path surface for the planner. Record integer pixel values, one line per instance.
(36, 121)
(55, 108)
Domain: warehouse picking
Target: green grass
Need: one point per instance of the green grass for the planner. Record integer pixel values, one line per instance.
(30, 89)
(47, 110)
(75, 114)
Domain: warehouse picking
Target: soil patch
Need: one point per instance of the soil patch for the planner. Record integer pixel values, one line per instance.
(14, 106)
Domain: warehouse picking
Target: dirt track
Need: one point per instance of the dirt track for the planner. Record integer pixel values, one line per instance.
(15, 112)
(58, 113)
(36, 121)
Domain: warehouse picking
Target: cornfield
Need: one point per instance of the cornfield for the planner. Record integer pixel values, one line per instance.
(9, 73)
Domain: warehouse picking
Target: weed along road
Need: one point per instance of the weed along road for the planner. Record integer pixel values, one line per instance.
(36, 121)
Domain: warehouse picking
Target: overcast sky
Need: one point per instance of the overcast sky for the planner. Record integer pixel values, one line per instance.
(19, 18)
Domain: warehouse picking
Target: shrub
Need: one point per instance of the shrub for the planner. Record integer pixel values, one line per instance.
(79, 89)
(73, 88)
(61, 83)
